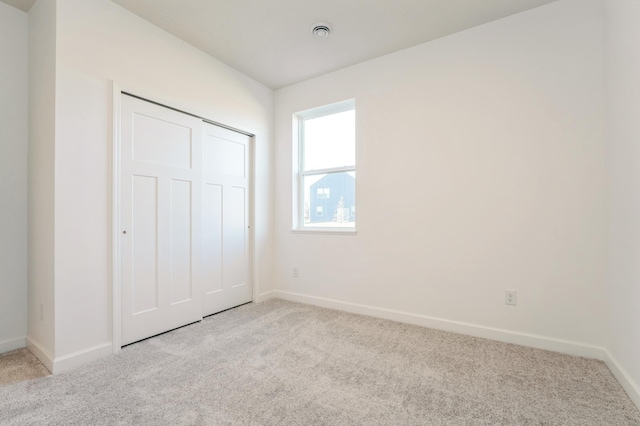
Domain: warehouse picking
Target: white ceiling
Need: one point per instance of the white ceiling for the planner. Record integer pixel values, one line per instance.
(271, 41)
(23, 5)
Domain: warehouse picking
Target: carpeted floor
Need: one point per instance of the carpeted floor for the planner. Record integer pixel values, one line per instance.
(20, 365)
(282, 363)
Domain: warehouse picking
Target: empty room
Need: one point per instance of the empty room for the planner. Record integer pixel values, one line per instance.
(295, 212)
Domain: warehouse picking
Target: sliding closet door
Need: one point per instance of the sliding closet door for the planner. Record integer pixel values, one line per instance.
(227, 277)
(161, 216)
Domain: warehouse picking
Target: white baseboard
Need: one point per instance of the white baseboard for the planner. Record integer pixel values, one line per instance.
(41, 353)
(13, 344)
(506, 336)
(68, 362)
(628, 384)
(76, 359)
(263, 297)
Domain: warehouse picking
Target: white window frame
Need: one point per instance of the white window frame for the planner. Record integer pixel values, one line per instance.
(299, 119)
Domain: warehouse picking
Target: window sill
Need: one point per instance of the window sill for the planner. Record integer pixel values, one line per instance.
(325, 231)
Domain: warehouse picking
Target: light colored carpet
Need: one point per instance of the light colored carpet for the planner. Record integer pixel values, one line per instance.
(20, 365)
(282, 363)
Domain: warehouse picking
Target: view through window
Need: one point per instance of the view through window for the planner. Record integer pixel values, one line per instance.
(327, 177)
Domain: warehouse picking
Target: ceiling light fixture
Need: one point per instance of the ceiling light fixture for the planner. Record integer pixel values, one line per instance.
(321, 30)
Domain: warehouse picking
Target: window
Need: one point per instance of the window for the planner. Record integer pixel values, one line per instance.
(324, 192)
(326, 180)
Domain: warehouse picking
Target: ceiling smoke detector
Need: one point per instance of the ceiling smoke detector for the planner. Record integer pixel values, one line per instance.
(321, 30)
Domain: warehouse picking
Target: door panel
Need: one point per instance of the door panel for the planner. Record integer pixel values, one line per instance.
(181, 216)
(235, 238)
(161, 142)
(161, 217)
(225, 157)
(226, 221)
(213, 238)
(145, 244)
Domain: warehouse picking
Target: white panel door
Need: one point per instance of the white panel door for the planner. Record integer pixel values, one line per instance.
(227, 277)
(161, 216)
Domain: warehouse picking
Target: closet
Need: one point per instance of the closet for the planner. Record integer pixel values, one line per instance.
(184, 216)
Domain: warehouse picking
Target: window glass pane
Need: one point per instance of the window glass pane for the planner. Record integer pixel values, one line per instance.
(330, 141)
(329, 200)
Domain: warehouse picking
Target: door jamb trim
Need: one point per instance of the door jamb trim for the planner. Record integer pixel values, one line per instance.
(116, 193)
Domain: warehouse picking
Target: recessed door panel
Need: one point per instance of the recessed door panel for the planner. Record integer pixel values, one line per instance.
(225, 157)
(235, 239)
(160, 141)
(212, 238)
(144, 286)
(181, 215)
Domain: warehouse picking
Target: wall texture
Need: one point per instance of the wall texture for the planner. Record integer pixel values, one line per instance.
(623, 149)
(480, 161)
(14, 39)
(42, 105)
(97, 42)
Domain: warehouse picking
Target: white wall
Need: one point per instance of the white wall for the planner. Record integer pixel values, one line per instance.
(98, 41)
(14, 92)
(623, 149)
(480, 168)
(42, 74)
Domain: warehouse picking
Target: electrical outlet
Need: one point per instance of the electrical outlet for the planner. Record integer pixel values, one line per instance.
(295, 272)
(42, 312)
(510, 297)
